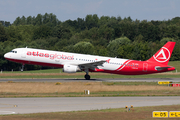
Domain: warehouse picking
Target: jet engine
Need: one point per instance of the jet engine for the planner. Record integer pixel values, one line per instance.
(71, 69)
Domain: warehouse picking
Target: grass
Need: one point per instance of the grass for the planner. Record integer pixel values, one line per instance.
(137, 113)
(176, 64)
(76, 89)
(81, 75)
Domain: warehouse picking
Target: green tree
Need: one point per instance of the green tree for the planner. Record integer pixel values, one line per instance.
(113, 46)
(42, 31)
(17, 21)
(51, 43)
(91, 21)
(172, 31)
(13, 33)
(149, 31)
(176, 52)
(62, 32)
(102, 51)
(38, 20)
(3, 34)
(107, 34)
(120, 52)
(126, 51)
(29, 20)
(80, 24)
(43, 44)
(139, 38)
(140, 50)
(23, 20)
(165, 40)
(46, 18)
(83, 48)
(7, 24)
(53, 20)
(103, 20)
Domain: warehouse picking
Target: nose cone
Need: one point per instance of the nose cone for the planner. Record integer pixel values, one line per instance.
(6, 56)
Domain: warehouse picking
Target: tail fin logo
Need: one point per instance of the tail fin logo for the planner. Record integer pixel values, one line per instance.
(163, 55)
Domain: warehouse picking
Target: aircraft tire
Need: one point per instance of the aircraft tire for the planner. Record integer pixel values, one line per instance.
(87, 77)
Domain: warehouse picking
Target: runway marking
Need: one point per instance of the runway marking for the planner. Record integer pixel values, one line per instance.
(10, 105)
(6, 112)
(127, 101)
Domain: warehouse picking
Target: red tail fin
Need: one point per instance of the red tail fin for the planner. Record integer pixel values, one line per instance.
(164, 54)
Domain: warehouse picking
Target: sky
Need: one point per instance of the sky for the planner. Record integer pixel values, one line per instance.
(72, 9)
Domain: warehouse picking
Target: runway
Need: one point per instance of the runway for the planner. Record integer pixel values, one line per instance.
(59, 104)
(94, 80)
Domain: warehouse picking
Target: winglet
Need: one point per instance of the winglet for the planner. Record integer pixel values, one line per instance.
(164, 54)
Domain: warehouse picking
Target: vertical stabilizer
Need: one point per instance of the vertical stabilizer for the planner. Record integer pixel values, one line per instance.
(164, 54)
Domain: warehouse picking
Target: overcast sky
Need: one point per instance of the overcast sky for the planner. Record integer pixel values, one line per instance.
(72, 9)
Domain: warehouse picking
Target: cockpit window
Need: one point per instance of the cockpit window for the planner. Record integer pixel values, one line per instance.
(14, 51)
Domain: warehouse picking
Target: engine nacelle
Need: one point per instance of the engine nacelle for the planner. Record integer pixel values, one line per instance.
(71, 69)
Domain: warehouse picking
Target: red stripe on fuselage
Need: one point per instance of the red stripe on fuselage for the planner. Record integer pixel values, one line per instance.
(36, 63)
(122, 66)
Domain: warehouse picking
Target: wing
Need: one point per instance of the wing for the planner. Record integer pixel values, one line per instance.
(92, 65)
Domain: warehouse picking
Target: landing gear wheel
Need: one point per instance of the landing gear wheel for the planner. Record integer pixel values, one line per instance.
(22, 68)
(87, 77)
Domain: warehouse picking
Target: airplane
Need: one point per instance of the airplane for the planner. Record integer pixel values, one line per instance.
(73, 62)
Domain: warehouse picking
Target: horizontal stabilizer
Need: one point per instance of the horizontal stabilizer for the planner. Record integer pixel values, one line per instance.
(161, 68)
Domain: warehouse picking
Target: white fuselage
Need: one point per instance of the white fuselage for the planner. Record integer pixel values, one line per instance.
(48, 57)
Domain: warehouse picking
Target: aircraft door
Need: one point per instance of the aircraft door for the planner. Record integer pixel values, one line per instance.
(145, 67)
(23, 54)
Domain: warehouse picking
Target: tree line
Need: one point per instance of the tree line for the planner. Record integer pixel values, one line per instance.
(104, 36)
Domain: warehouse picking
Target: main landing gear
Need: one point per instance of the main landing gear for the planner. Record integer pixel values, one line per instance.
(22, 68)
(87, 76)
